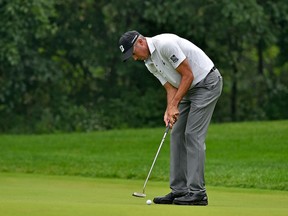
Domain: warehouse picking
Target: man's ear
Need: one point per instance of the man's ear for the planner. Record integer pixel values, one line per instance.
(141, 41)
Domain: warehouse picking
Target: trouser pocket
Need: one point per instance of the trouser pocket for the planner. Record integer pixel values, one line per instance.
(211, 80)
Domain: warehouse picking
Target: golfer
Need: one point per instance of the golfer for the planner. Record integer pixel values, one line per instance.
(193, 85)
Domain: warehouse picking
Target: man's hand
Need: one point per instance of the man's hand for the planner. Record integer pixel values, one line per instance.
(171, 115)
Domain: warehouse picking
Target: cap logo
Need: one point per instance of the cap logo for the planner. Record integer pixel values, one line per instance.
(122, 48)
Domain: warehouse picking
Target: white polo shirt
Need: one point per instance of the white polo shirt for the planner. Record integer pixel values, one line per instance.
(168, 51)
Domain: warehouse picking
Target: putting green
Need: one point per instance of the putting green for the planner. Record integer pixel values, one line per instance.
(29, 194)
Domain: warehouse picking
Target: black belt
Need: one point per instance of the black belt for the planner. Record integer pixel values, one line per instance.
(213, 69)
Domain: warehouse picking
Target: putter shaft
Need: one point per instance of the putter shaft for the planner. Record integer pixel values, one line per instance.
(155, 158)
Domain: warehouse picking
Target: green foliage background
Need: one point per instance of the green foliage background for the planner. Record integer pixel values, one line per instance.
(60, 67)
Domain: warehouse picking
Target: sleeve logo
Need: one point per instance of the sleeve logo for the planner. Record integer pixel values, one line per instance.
(174, 59)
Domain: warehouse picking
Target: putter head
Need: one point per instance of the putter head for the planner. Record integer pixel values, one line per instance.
(141, 195)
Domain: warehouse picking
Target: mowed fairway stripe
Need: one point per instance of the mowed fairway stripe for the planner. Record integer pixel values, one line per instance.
(33, 195)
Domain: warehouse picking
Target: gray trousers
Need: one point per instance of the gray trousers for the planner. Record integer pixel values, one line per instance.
(187, 143)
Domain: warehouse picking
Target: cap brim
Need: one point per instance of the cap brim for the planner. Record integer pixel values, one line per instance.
(127, 54)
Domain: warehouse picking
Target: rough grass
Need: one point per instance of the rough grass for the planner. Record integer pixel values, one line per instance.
(251, 155)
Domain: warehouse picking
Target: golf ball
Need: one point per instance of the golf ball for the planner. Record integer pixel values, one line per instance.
(148, 202)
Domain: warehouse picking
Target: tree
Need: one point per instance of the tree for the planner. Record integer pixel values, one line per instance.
(241, 31)
(24, 27)
(60, 66)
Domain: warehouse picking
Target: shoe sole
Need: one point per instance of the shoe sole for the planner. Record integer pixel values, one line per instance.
(199, 203)
(164, 202)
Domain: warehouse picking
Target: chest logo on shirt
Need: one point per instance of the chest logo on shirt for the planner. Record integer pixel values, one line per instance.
(174, 59)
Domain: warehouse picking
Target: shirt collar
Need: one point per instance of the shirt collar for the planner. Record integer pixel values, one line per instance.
(151, 48)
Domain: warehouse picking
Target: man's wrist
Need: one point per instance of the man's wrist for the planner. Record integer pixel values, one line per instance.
(174, 103)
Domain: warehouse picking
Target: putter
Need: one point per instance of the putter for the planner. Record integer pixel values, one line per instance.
(142, 195)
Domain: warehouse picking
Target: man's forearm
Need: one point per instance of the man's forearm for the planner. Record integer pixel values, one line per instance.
(181, 91)
(186, 80)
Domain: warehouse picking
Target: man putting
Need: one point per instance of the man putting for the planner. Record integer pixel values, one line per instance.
(193, 85)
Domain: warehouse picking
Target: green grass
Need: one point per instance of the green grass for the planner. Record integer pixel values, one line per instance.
(33, 195)
(250, 155)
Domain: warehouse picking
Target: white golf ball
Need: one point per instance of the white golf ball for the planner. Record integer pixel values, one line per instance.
(148, 202)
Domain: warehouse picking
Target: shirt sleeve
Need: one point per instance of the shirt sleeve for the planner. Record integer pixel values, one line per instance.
(173, 53)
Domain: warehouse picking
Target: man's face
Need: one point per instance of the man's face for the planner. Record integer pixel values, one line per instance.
(140, 50)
